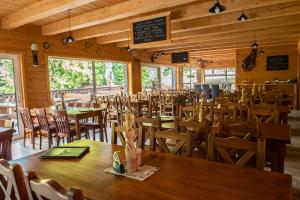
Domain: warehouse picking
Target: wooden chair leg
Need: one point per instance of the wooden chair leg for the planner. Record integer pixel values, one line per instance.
(105, 133)
(94, 134)
(33, 140)
(49, 140)
(57, 140)
(24, 139)
(41, 135)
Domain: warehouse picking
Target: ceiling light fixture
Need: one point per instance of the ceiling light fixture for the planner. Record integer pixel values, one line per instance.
(243, 17)
(261, 52)
(217, 8)
(70, 38)
(254, 45)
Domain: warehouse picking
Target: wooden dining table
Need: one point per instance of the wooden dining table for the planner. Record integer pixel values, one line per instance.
(6, 135)
(179, 177)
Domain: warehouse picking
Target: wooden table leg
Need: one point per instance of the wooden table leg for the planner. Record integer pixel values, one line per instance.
(77, 126)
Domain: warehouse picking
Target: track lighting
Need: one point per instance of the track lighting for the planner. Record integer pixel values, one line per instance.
(217, 8)
(243, 17)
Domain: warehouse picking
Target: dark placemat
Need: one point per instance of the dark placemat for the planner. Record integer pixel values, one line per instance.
(69, 152)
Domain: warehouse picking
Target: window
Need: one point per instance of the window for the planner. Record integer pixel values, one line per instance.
(220, 76)
(86, 76)
(167, 78)
(158, 77)
(190, 77)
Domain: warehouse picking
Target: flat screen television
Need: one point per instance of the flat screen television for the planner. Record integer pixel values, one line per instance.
(277, 62)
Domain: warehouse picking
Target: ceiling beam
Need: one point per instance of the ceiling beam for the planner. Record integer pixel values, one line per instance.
(111, 13)
(177, 15)
(220, 40)
(216, 36)
(235, 45)
(40, 10)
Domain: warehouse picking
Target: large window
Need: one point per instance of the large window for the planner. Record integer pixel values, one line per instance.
(88, 75)
(220, 76)
(190, 77)
(158, 77)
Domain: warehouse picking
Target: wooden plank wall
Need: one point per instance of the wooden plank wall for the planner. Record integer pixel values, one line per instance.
(260, 74)
(36, 80)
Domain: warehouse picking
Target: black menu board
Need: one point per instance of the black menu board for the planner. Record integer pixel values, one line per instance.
(151, 30)
(278, 62)
(181, 57)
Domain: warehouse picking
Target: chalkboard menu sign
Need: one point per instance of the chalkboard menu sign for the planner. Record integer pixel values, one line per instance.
(278, 62)
(150, 30)
(181, 57)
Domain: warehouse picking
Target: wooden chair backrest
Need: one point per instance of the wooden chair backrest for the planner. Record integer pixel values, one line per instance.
(194, 126)
(26, 119)
(49, 189)
(241, 129)
(264, 113)
(224, 147)
(146, 129)
(6, 145)
(181, 140)
(12, 184)
(61, 121)
(42, 118)
(118, 132)
(189, 113)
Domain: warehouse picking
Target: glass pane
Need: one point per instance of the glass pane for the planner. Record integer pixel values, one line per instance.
(149, 77)
(231, 71)
(219, 71)
(100, 71)
(190, 77)
(215, 79)
(166, 74)
(66, 74)
(209, 72)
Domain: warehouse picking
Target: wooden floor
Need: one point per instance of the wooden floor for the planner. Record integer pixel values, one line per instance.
(292, 162)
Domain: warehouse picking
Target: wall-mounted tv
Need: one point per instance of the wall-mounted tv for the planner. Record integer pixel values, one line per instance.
(277, 63)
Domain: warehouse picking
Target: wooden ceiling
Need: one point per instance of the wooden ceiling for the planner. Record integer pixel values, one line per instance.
(193, 28)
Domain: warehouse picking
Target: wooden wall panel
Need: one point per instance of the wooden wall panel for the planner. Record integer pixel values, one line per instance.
(36, 88)
(260, 74)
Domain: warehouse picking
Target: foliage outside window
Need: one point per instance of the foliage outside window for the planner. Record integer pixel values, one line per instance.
(158, 77)
(78, 74)
(190, 77)
(7, 84)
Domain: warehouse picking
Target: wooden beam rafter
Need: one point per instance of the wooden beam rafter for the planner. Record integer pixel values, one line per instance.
(40, 10)
(189, 12)
(115, 12)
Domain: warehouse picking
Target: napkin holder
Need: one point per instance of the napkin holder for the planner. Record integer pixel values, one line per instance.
(118, 165)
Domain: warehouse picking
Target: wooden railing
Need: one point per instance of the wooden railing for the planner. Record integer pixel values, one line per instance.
(100, 91)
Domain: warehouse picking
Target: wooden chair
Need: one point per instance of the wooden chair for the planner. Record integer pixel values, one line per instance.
(29, 127)
(49, 189)
(46, 128)
(181, 143)
(199, 133)
(118, 132)
(63, 128)
(146, 130)
(98, 123)
(264, 113)
(113, 110)
(5, 144)
(167, 105)
(224, 146)
(189, 113)
(12, 184)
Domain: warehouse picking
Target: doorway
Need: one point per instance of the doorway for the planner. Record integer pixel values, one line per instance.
(11, 96)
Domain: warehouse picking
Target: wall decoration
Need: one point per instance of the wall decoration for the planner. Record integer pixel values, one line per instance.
(181, 57)
(99, 51)
(87, 44)
(46, 45)
(34, 49)
(277, 62)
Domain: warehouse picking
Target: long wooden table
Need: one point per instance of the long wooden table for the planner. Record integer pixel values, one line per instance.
(178, 178)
